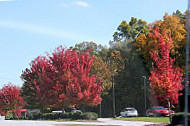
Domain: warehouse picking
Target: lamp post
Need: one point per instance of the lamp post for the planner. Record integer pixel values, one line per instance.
(145, 93)
(113, 88)
(113, 94)
(169, 110)
(101, 110)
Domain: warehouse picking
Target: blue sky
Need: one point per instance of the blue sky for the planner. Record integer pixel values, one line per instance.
(28, 28)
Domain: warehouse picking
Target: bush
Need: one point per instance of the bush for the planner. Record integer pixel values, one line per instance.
(35, 116)
(178, 118)
(66, 115)
(51, 116)
(90, 116)
(54, 116)
(76, 115)
(9, 116)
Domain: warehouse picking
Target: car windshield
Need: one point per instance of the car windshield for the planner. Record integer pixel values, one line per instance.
(160, 107)
(131, 109)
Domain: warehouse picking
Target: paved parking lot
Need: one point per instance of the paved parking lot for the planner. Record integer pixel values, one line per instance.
(101, 121)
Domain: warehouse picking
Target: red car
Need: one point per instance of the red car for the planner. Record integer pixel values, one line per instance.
(158, 111)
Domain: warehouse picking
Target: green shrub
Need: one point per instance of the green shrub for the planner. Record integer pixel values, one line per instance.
(9, 116)
(90, 116)
(76, 115)
(51, 116)
(36, 116)
(68, 115)
(178, 118)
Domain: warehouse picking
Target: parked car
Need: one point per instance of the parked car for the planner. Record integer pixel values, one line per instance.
(158, 111)
(73, 110)
(32, 112)
(76, 111)
(129, 112)
(58, 111)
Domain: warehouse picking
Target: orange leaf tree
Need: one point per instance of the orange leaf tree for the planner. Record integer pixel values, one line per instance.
(171, 24)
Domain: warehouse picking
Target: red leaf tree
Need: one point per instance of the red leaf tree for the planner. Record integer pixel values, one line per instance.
(62, 78)
(165, 78)
(10, 99)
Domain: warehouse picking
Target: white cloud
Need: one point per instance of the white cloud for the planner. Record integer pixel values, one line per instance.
(38, 29)
(81, 3)
(78, 3)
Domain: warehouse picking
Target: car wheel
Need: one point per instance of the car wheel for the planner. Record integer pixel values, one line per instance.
(147, 115)
(156, 115)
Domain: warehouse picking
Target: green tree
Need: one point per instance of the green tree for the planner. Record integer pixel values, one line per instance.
(130, 30)
(84, 46)
(179, 14)
(129, 81)
(129, 88)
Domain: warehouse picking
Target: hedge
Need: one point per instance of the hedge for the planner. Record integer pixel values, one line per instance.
(178, 118)
(67, 115)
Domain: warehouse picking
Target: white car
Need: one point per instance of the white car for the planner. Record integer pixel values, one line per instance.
(129, 112)
(75, 111)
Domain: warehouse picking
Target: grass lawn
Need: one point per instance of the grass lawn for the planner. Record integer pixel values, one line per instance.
(147, 119)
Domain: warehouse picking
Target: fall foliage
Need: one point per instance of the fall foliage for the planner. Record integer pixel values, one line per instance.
(171, 24)
(100, 66)
(101, 69)
(165, 78)
(62, 78)
(83, 75)
(10, 99)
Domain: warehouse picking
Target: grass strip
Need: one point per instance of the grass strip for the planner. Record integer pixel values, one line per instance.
(147, 119)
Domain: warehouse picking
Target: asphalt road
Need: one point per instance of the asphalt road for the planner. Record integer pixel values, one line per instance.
(101, 121)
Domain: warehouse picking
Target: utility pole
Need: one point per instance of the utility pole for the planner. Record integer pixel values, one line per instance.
(113, 95)
(101, 109)
(187, 68)
(144, 94)
(169, 110)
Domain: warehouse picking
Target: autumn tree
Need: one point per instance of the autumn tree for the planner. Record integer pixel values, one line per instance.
(107, 62)
(10, 99)
(165, 78)
(100, 65)
(37, 89)
(62, 78)
(171, 24)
